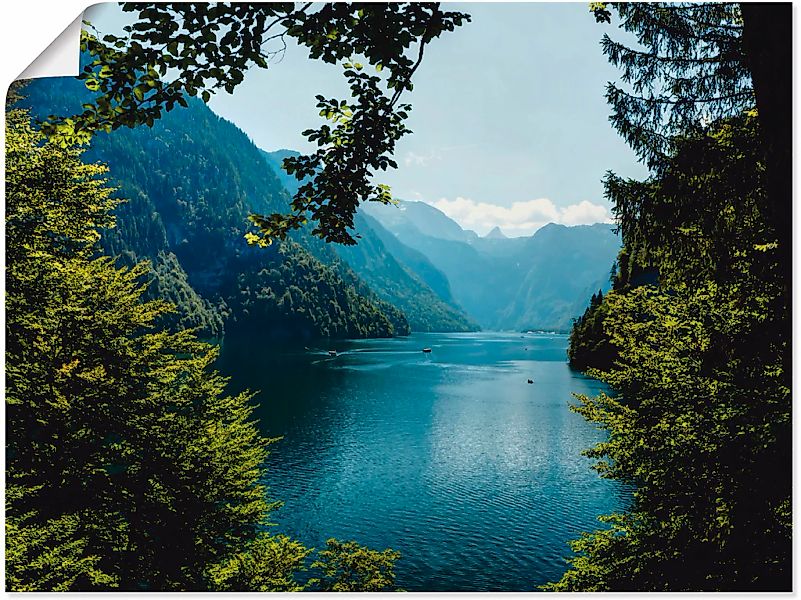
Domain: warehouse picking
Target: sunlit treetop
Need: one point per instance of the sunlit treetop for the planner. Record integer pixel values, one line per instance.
(176, 50)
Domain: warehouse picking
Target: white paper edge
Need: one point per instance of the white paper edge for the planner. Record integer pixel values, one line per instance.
(61, 58)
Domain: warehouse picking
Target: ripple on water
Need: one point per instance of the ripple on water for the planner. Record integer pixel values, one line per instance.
(449, 457)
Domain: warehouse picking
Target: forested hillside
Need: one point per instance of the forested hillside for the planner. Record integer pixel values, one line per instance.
(398, 284)
(563, 267)
(692, 337)
(398, 274)
(191, 180)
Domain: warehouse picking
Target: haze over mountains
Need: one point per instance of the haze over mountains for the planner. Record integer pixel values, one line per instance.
(537, 282)
(191, 181)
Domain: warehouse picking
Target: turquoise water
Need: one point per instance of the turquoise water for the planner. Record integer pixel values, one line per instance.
(451, 457)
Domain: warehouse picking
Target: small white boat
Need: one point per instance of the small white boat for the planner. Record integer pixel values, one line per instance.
(332, 353)
(426, 350)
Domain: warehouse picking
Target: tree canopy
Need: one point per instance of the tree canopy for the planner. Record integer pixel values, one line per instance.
(177, 49)
(699, 62)
(128, 467)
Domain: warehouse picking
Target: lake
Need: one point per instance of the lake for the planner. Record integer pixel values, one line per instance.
(450, 457)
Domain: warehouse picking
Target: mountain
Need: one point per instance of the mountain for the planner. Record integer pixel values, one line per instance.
(537, 282)
(275, 159)
(191, 181)
(398, 274)
(399, 284)
(414, 261)
(566, 266)
(420, 217)
(496, 234)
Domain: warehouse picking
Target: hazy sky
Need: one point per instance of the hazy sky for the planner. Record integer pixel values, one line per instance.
(510, 123)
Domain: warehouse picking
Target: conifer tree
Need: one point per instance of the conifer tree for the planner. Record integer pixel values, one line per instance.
(700, 421)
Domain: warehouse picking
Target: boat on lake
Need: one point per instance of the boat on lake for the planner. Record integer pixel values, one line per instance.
(426, 350)
(332, 353)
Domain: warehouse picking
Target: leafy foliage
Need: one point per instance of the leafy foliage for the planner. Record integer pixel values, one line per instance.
(700, 423)
(398, 274)
(349, 567)
(124, 428)
(205, 48)
(45, 555)
(701, 62)
(128, 467)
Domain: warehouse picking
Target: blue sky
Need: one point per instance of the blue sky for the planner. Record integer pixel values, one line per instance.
(510, 123)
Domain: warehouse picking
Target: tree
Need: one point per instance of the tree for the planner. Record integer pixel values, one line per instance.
(768, 40)
(128, 467)
(700, 62)
(349, 567)
(700, 422)
(209, 47)
(588, 346)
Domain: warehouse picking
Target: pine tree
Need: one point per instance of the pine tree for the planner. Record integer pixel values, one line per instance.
(700, 420)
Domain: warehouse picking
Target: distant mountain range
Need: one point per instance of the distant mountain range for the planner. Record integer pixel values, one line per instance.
(537, 282)
(191, 180)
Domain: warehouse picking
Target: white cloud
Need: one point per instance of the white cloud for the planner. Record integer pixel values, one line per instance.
(521, 218)
(585, 213)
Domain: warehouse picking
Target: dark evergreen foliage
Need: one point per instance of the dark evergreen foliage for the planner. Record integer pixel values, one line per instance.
(699, 323)
(589, 345)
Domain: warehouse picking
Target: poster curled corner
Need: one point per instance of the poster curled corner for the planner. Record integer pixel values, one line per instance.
(61, 58)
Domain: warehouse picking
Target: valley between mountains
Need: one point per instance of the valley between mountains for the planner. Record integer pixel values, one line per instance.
(192, 179)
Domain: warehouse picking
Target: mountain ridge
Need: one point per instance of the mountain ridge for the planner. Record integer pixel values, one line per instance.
(191, 180)
(398, 274)
(540, 281)
(496, 233)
